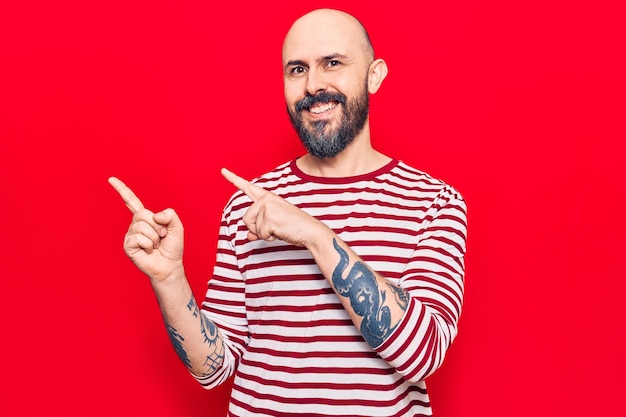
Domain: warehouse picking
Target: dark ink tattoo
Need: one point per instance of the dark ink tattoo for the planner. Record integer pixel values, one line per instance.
(193, 307)
(177, 342)
(211, 335)
(361, 287)
(402, 297)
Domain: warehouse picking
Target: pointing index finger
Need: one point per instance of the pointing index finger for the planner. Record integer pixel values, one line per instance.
(253, 191)
(132, 201)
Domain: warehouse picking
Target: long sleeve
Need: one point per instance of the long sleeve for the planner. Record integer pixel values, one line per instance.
(434, 277)
(224, 304)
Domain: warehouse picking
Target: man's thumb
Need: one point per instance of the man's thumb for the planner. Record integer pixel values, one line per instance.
(170, 220)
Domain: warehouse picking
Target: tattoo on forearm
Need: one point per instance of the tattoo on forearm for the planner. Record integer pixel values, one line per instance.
(211, 337)
(193, 307)
(402, 297)
(177, 342)
(365, 298)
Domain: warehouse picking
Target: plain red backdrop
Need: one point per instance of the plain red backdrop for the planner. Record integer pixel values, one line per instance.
(520, 105)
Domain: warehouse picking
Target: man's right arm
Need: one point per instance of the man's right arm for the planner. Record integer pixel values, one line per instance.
(154, 242)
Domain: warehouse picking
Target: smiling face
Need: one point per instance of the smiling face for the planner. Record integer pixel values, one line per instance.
(326, 60)
(324, 132)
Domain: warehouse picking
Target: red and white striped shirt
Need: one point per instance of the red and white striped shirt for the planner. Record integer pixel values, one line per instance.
(291, 344)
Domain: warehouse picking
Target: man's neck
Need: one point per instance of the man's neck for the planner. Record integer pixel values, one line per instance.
(356, 159)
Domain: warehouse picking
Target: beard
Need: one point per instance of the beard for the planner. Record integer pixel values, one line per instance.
(320, 139)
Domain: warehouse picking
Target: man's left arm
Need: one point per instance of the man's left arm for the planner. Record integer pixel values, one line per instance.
(410, 325)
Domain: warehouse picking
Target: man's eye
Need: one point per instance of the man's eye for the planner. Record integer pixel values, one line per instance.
(297, 70)
(333, 63)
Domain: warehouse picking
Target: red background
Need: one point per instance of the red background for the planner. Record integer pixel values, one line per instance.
(520, 105)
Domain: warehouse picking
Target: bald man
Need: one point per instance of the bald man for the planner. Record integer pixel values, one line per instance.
(338, 280)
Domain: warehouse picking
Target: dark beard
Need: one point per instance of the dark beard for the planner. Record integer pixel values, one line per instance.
(323, 144)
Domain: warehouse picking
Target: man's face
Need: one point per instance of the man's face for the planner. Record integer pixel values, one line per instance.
(325, 65)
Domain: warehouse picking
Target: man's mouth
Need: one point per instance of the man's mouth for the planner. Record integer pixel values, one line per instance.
(320, 103)
(320, 108)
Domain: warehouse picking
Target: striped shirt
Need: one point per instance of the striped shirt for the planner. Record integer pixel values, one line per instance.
(291, 345)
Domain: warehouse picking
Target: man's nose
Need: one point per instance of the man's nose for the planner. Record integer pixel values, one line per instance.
(316, 82)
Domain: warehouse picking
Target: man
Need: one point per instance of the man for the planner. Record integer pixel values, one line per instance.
(338, 280)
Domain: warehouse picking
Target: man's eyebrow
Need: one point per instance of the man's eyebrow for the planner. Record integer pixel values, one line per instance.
(295, 62)
(333, 56)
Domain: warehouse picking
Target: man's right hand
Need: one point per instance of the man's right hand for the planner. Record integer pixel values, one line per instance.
(154, 241)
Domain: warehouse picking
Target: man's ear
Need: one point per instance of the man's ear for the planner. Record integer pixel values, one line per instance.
(377, 73)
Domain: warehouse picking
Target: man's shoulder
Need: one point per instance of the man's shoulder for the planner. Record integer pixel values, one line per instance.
(422, 181)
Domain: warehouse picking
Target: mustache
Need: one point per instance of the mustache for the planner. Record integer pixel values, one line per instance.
(323, 97)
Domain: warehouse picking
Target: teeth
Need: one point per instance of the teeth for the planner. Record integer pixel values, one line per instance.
(322, 108)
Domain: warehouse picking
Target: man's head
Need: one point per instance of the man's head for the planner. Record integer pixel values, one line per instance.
(329, 71)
